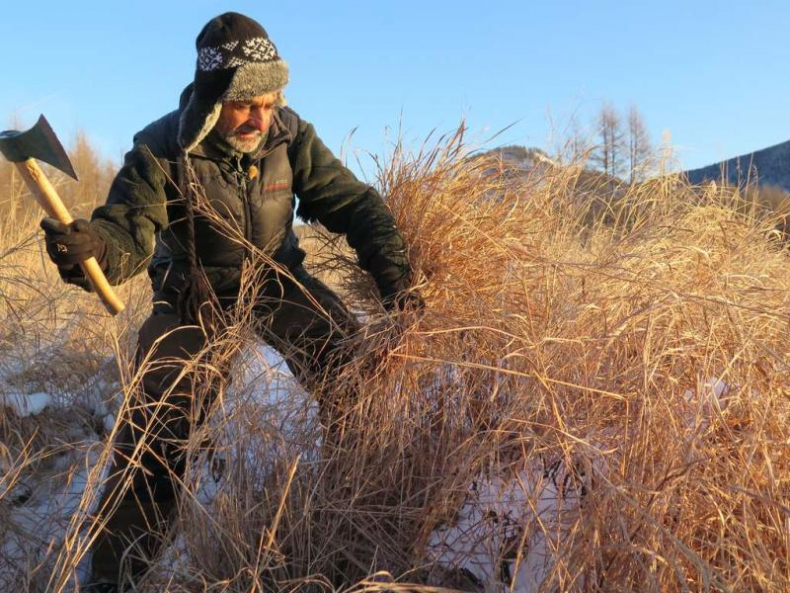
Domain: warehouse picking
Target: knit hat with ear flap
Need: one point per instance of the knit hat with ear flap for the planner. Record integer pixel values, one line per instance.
(236, 61)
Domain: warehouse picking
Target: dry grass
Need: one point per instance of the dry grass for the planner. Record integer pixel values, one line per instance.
(550, 335)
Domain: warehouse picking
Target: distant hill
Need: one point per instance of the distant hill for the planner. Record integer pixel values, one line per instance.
(766, 168)
(520, 158)
(769, 167)
(766, 172)
(588, 181)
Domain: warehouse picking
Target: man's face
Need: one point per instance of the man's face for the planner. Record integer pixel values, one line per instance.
(243, 124)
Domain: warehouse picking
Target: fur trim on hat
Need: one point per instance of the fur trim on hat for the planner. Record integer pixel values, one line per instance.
(256, 78)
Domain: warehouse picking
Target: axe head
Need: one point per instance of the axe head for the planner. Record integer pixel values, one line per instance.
(40, 143)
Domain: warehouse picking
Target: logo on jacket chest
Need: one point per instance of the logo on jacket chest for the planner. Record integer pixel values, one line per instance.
(276, 185)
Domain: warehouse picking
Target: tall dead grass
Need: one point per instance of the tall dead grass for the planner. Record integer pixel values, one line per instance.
(54, 340)
(550, 336)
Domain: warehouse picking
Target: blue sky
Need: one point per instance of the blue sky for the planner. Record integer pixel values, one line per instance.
(713, 74)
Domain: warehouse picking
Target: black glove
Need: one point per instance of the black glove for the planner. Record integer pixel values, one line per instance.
(410, 300)
(395, 284)
(68, 245)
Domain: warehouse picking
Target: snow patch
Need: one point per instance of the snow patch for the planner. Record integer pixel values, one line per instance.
(506, 534)
(707, 402)
(509, 529)
(26, 404)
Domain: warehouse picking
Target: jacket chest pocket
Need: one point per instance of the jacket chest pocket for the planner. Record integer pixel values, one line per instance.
(273, 213)
(272, 216)
(277, 177)
(276, 187)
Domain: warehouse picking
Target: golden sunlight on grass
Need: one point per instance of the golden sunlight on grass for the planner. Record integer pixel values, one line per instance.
(625, 349)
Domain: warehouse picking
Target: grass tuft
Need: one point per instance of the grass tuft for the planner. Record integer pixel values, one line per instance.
(613, 357)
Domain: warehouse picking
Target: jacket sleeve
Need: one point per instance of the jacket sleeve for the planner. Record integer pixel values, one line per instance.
(135, 211)
(330, 194)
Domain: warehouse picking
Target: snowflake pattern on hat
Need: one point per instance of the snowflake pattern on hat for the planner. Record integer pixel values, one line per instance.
(235, 62)
(259, 49)
(210, 58)
(231, 55)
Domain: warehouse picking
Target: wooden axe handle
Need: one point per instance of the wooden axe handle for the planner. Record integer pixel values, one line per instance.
(50, 201)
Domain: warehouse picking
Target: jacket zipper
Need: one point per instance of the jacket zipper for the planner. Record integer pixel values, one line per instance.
(245, 199)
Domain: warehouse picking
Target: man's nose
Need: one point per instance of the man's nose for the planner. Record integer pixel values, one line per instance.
(258, 120)
(255, 123)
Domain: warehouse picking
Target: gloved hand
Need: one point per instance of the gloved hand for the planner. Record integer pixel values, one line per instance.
(395, 285)
(410, 300)
(68, 245)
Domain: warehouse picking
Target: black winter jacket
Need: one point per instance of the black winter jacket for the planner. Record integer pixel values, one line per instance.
(252, 202)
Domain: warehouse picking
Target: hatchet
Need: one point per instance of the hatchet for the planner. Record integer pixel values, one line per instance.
(41, 143)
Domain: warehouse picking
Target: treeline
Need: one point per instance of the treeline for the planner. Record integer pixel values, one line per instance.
(616, 144)
(95, 176)
(619, 146)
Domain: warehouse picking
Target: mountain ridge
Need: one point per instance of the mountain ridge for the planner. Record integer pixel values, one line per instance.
(767, 167)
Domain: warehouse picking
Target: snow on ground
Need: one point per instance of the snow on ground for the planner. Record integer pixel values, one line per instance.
(268, 411)
(707, 402)
(507, 529)
(25, 404)
(503, 535)
(38, 508)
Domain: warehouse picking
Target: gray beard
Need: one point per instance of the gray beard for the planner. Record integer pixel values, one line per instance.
(245, 146)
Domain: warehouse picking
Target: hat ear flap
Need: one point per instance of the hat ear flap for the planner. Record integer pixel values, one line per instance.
(196, 121)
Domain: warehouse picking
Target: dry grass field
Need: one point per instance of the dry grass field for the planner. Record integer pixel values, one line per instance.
(589, 402)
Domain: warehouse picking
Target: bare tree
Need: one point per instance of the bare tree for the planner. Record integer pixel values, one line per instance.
(608, 155)
(95, 171)
(578, 145)
(640, 148)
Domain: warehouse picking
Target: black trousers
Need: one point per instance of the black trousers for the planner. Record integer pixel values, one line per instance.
(304, 320)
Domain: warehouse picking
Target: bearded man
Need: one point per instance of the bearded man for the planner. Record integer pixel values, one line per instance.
(204, 189)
